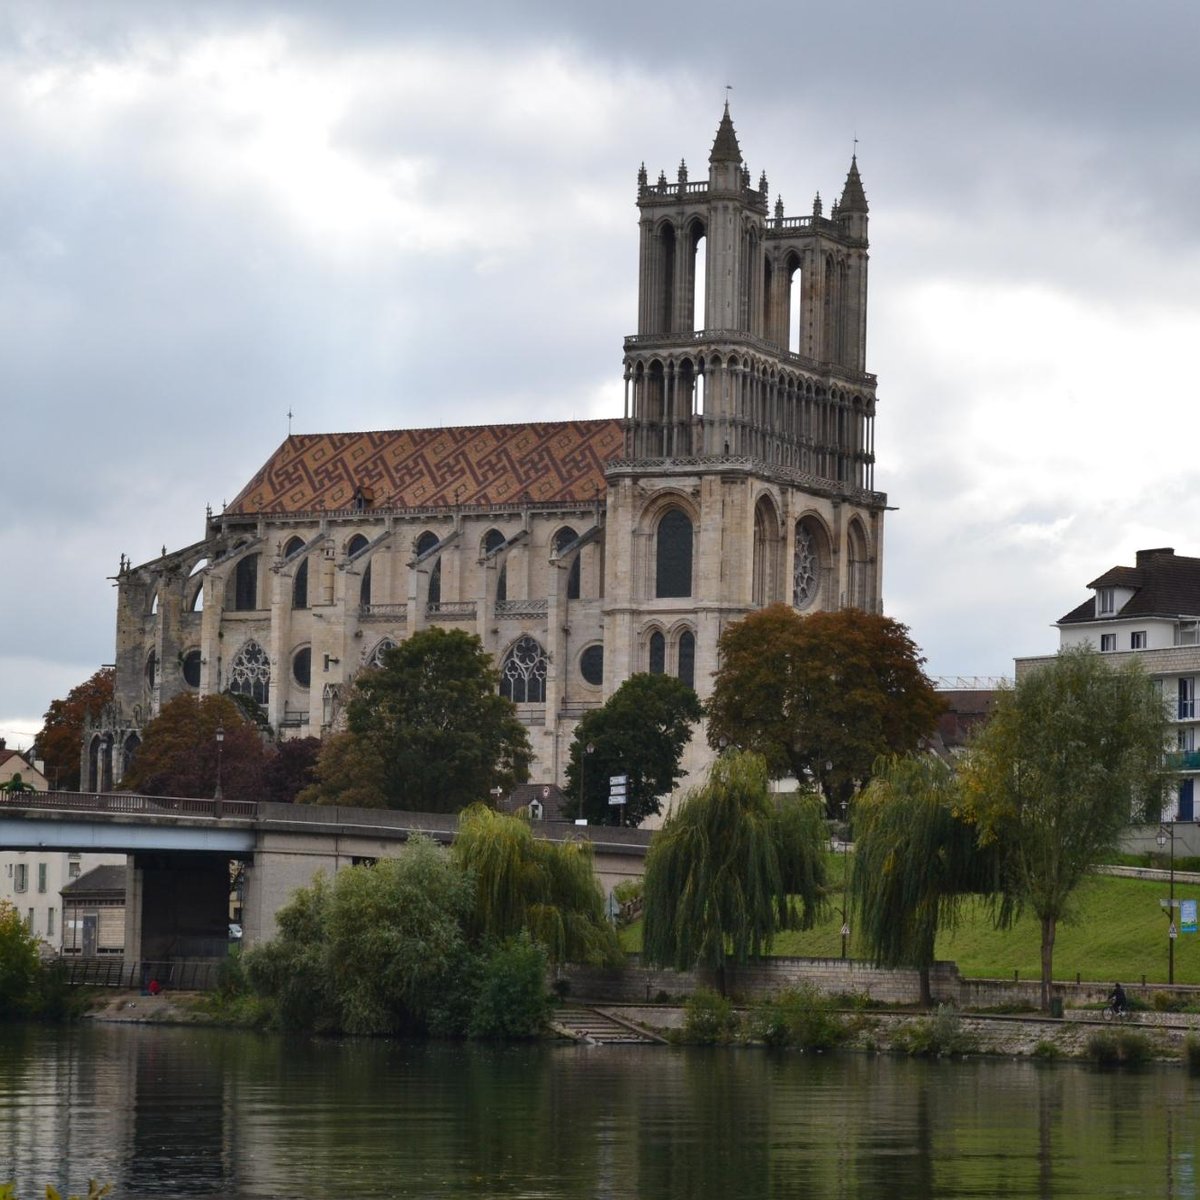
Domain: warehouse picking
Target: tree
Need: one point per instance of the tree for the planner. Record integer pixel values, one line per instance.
(349, 771)
(16, 786)
(640, 732)
(433, 716)
(20, 964)
(377, 950)
(178, 755)
(523, 883)
(291, 769)
(59, 744)
(1067, 759)
(821, 696)
(730, 868)
(915, 858)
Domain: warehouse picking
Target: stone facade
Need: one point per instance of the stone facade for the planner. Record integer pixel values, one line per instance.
(741, 474)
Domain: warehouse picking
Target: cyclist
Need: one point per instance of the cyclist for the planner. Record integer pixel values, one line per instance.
(1120, 1005)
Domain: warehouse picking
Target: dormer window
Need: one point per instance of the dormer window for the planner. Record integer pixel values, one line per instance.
(1106, 602)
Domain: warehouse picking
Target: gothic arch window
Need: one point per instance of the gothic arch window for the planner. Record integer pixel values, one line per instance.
(93, 765)
(128, 750)
(523, 672)
(766, 552)
(562, 539)
(686, 658)
(364, 588)
(151, 670)
(673, 557)
(250, 674)
(492, 540)
(106, 762)
(245, 584)
(810, 563)
(435, 584)
(355, 544)
(860, 567)
(375, 658)
(426, 542)
(300, 586)
(657, 657)
(153, 609)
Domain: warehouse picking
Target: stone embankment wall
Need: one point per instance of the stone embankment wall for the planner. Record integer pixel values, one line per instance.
(637, 984)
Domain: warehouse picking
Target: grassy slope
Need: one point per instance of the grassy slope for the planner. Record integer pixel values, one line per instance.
(1119, 932)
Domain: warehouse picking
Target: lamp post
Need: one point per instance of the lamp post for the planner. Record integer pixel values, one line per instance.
(1165, 832)
(845, 882)
(217, 797)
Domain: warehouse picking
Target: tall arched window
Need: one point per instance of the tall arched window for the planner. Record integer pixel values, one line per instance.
(658, 653)
(245, 584)
(300, 578)
(356, 545)
(809, 564)
(687, 658)
(673, 561)
(562, 539)
(523, 672)
(425, 543)
(250, 674)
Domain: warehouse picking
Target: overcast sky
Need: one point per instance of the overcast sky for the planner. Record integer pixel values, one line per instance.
(383, 215)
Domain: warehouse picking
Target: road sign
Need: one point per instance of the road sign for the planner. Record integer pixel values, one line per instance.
(617, 785)
(1187, 916)
(1173, 932)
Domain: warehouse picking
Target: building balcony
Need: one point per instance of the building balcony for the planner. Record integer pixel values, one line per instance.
(1184, 760)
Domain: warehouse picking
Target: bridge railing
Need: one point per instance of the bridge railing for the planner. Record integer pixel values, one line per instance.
(129, 802)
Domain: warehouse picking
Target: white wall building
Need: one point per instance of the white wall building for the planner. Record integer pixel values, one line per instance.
(1151, 610)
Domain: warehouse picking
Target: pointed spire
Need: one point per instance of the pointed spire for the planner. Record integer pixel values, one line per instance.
(682, 175)
(763, 186)
(854, 199)
(817, 205)
(725, 145)
(642, 175)
(779, 208)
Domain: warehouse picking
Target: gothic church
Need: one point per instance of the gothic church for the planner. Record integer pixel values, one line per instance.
(741, 474)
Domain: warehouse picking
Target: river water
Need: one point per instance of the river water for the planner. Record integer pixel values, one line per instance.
(177, 1112)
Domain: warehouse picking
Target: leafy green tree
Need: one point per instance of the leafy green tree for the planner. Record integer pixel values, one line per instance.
(348, 771)
(59, 744)
(16, 786)
(377, 950)
(640, 732)
(434, 720)
(915, 858)
(821, 697)
(1069, 757)
(19, 964)
(520, 882)
(178, 755)
(512, 1002)
(730, 868)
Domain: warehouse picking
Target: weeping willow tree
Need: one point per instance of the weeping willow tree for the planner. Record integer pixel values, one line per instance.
(915, 858)
(730, 868)
(523, 882)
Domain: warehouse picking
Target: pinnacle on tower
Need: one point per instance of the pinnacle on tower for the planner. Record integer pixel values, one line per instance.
(854, 199)
(725, 145)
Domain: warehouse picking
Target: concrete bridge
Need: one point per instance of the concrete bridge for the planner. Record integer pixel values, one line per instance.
(181, 850)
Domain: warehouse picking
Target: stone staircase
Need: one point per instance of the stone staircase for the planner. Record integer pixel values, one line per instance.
(597, 1028)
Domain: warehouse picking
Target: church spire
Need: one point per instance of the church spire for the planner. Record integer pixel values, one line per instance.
(725, 145)
(854, 199)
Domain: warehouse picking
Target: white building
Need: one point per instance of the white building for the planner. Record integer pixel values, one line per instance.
(1151, 610)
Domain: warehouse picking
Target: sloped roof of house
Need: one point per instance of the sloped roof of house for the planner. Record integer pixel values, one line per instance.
(430, 468)
(110, 878)
(1164, 584)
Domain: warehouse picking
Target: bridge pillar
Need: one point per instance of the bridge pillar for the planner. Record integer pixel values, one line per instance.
(274, 876)
(177, 906)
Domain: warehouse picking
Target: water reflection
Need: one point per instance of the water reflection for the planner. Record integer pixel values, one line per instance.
(193, 1113)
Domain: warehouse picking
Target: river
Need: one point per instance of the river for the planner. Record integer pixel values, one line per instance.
(181, 1112)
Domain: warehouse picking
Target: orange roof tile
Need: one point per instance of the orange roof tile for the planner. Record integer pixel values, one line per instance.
(418, 468)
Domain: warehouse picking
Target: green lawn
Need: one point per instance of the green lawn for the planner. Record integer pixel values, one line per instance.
(1118, 932)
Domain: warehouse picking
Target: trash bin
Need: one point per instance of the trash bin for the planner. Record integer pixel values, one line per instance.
(1056, 1006)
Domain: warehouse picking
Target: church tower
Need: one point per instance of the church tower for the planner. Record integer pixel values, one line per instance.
(748, 470)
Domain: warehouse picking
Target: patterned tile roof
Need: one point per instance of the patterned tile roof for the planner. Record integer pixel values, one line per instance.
(419, 468)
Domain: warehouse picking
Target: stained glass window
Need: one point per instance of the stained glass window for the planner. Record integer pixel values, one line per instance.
(523, 674)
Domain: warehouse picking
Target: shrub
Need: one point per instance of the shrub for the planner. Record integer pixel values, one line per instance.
(19, 964)
(942, 1033)
(708, 1018)
(1191, 1052)
(1123, 1047)
(512, 1001)
(800, 1017)
(1047, 1051)
(1164, 1002)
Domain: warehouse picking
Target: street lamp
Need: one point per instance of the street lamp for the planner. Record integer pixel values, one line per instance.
(845, 881)
(217, 794)
(1165, 832)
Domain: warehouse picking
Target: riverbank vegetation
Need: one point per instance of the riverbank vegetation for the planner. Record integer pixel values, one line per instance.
(31, 988)
(446, 943)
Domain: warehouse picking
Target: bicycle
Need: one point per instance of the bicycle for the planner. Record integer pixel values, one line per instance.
(1112, 1013)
